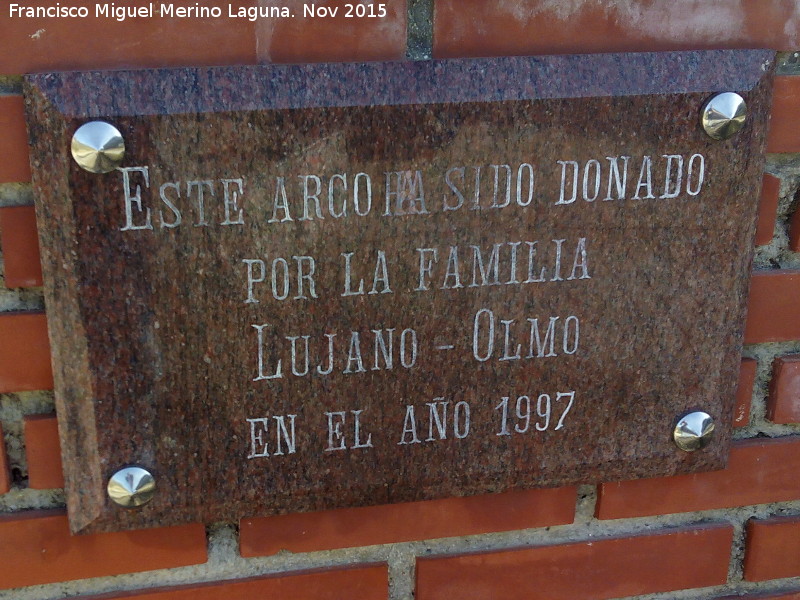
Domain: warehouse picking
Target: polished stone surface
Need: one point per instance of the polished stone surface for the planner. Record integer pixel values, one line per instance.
(183, 290)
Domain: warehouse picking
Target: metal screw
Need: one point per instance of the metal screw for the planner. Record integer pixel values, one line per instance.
(131, 487)
(694, 431)
(98, 147)
(724, 115)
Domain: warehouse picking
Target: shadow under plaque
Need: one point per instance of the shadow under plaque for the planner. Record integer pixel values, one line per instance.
(319, 286)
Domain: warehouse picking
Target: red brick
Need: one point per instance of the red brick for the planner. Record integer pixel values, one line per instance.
(24, 352)
(784, 129)
(773, 549)
(691, 557)
(36, 548)
(479, 28)
(783, 404)
(14, 167)
(350, 527)
(759, 471)
(744, 392)
(773, 312)
(20, 243)
(31, 45)
(767, 209)
(5, 473)
(43, 452)
(332, 39)
(355, 583)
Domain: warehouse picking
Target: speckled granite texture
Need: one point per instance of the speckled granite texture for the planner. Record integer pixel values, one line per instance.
(162, 301)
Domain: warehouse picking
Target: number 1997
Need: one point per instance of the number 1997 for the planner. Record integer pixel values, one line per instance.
(547, 413)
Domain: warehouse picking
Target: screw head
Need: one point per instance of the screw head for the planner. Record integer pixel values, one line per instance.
(694, 431)
(98, 147)
(131, 487)
(724, 115)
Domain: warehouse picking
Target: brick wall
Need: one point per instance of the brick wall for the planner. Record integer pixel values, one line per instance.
(732, 533)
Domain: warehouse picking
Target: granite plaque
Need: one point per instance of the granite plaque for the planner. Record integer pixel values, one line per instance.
(320, 286)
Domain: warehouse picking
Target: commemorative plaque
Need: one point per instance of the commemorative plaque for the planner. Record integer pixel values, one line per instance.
(290, 288)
